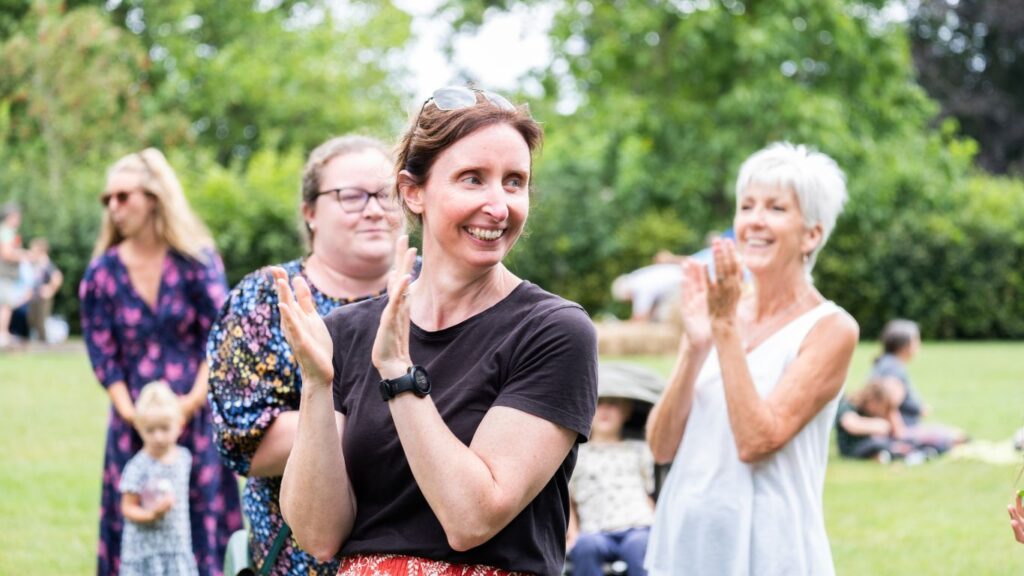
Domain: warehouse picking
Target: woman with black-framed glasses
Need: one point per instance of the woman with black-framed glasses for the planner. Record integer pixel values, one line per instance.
(439, 425)
(351, 220)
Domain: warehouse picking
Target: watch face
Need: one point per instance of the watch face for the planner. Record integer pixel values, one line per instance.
(422, 381)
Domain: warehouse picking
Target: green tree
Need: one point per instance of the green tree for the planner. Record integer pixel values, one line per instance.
(280, 74)
(668, 98)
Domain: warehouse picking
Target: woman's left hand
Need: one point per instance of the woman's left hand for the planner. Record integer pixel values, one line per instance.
(724, 293)
(391, 346)
(1017, 518)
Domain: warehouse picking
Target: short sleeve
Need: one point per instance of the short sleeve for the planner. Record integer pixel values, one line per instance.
(132, 477)
(253, 377)
(96, 293)
(554, 371)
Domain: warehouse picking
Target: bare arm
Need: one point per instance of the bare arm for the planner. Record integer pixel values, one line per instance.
(762, 426)
(196, 397)
(858, 425)
(317, 499)
(131, 509)
(272, 453)
(667, 420)
(122, 401)
(497, 478)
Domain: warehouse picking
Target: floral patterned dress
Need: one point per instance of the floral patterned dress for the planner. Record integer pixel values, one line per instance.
(253, 379)
(130, 342)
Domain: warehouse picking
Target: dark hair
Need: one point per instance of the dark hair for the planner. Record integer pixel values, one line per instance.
(326, 152)
(898, 334)
(434, 130)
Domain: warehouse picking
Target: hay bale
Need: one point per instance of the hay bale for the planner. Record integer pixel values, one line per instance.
(637, 338)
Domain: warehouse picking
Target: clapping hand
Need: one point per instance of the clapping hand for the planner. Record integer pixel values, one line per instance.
(724, 293)
(304, 330)
(696, 322)
(1016, 510)
(391, 346)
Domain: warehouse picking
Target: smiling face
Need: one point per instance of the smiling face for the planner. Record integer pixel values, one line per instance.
(130, 208)
(363, 238)
(476, 200)
(770, 229)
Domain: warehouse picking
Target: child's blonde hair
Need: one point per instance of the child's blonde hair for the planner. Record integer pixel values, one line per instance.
(156, 395)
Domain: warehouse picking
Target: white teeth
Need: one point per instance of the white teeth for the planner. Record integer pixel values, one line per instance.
(484, 234)
(757, 242)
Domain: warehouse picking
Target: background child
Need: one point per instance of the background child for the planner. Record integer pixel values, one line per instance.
(157, 540)
(611, 509)
(868, 423)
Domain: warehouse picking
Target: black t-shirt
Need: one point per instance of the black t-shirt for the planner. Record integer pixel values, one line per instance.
(533, 351)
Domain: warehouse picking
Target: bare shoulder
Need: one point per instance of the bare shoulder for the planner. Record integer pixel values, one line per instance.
(835, 331)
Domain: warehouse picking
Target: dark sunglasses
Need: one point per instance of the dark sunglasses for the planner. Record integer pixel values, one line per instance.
(121, 197)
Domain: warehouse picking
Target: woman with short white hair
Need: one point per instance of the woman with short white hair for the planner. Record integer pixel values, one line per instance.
(746, 416)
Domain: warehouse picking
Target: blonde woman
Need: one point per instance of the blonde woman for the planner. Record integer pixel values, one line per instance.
(149, 297)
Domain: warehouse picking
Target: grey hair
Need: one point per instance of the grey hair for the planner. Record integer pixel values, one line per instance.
(817, 180)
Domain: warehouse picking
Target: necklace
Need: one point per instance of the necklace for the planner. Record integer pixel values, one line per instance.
(775, 322)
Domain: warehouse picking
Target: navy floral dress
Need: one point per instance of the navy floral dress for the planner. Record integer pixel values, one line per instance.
(253, 379)
(130, 342)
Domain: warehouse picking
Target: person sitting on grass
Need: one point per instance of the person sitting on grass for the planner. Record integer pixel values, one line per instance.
(610, 508)
(157, 538)
(868, 423)
(901, 340)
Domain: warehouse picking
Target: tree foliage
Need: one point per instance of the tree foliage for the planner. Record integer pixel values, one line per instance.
(670, 96)
(970, 57)
(235, 92)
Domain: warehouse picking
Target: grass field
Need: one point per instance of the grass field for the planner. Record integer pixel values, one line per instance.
(944, 517)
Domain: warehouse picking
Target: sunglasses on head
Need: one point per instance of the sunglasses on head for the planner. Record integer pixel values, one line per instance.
(457, 97)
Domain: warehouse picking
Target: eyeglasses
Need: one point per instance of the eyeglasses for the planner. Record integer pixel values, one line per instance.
(354, 199)
(121, 197)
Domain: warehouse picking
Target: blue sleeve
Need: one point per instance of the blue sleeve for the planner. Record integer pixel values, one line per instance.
(253, 377)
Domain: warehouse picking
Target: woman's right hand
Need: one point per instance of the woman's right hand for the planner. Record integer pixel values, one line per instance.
(1017, 518)
(304, 329)
(696, 319)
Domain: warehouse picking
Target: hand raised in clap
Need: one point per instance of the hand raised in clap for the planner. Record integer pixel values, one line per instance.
(694, 304)
(724, 293)
(304, 330)
(391, 346)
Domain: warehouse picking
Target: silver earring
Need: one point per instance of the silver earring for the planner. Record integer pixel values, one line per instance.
(311, 226)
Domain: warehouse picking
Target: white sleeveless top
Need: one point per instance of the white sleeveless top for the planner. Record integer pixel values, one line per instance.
(718, 516)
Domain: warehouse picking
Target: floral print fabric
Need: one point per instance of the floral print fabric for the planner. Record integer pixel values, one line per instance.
(253, 379)
(129, 341)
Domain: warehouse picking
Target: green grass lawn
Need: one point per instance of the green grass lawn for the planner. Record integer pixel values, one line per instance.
(944, 517)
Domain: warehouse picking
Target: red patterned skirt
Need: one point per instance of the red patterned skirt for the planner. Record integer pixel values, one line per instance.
(392, 564)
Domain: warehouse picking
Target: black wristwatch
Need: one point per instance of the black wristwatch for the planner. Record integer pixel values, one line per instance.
(416, 380)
